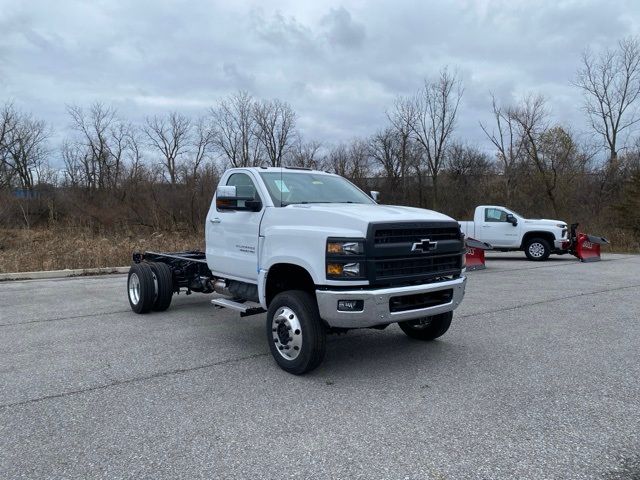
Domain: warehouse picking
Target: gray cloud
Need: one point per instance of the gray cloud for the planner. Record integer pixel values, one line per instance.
(342, 30)
(340, 63)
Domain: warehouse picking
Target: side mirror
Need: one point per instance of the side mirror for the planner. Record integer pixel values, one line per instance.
(375, 195)
(511, 219)
(229, 198)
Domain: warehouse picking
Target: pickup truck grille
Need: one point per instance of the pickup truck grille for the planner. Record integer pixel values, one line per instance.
(397, 255)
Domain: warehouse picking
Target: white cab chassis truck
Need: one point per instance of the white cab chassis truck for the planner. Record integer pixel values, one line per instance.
(507, 230)
(317, 255)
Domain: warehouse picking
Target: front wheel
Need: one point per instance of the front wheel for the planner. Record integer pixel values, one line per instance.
(295, 332)
(427, 328)
(537, 249)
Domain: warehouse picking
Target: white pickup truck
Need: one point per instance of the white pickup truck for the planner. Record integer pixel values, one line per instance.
(507, 230)
(317, 255)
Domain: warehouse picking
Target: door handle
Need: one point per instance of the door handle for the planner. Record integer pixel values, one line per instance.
(215, 220)
(486, 226)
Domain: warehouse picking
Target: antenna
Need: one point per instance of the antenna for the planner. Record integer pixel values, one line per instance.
(281, 183)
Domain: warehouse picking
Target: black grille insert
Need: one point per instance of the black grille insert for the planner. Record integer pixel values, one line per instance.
(408, 267)
(412, 235)
(420, 300)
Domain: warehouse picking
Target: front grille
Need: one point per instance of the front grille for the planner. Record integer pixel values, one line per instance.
(411, 235)
(409, 267)
(420, 300)
(395, 255)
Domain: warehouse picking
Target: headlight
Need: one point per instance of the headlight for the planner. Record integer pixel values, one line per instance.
(561, 225)
(345, 248)
(345, 259)
(345, 270)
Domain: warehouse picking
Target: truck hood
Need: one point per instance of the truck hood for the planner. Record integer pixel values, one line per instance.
(373, 213)
(543, 222)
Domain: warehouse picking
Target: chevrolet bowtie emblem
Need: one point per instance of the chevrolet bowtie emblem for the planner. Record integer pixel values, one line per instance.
(424, 245)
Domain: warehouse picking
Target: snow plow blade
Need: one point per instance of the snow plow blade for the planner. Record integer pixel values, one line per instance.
(586, 247)
(475, 254)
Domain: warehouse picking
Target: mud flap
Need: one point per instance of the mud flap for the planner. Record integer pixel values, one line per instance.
(475, 254)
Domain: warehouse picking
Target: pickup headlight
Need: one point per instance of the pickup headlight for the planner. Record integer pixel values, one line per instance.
(345, 259)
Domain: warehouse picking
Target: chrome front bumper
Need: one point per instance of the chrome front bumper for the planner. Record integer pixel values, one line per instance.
(376, 309)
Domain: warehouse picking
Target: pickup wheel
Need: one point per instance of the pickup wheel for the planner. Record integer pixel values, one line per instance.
(164, 283)
(141, 287)
(295, 332)
(427, 328)
(537, 249)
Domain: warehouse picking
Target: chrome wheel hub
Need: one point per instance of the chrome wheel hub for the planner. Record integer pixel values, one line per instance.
(134, 288)
(287, 333)
(536, 250)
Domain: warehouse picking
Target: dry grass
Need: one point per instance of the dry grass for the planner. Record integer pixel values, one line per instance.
(59, 248)
(55, 249)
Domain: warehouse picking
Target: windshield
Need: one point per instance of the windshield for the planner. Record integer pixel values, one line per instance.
(287, 188)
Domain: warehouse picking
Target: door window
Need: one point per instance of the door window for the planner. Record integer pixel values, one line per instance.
(245, 188)
(494, 215)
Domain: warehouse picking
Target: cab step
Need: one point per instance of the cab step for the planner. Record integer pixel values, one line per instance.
(245, 308)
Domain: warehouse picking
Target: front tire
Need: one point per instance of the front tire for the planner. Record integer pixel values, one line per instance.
(295, 332)
(537, 249)
(141, 287)
(427, 328)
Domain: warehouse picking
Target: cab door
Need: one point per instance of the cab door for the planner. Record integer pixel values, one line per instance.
(497, 231)
(232, 233)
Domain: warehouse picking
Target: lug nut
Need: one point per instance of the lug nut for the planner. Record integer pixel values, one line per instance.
(290, 317)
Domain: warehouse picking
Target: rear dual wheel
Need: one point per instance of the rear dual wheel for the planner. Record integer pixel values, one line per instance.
(149, 287)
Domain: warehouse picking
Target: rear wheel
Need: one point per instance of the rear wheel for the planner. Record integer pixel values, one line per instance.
(537, 249)
(295, 332)
(427, 328)
(141, 287)
(164, 284)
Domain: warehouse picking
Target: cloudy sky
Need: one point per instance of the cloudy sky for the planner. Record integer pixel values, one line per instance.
(339, 63)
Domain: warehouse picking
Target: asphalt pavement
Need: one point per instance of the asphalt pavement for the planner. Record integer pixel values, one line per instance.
(538, 378)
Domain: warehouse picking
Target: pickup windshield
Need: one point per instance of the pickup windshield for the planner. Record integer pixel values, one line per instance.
(287, 188)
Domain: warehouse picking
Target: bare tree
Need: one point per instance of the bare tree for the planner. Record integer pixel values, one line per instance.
(203, 139)
(233, 121)
(93, 130)
(436, 108)
(532, 119)
(508, 141)
(610, 82)
(402, 118)
(305, 154)
(275, 127)
(169, 136)
(27, 150)
(352, 160)
(8, 121)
